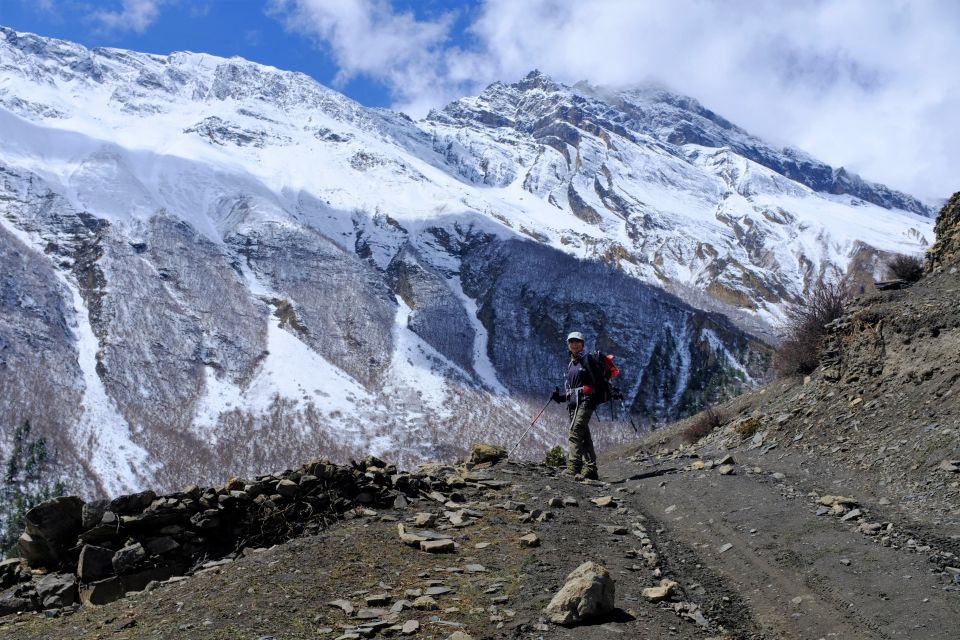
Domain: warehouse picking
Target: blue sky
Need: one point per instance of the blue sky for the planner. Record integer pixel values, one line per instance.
(866, 84)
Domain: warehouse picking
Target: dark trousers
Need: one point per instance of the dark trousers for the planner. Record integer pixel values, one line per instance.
(582, 458)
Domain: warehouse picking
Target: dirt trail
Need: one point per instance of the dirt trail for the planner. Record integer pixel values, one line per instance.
(799, 575)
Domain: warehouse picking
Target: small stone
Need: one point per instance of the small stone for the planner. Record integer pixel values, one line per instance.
(845, 562)
(951, 466)
(475, 568)
(410, 627)
(530, 540)
(481, 545)
(829, 501)
(438, 546)
(698, 465)
(438, 590)
(425, 519)
(604, 501)
(726, 469)
(616, 530)
(343, 605)
(660, 593)
(570, 501)
(371, 614)
(854, 514)
(460, 635)
(377, 600)
(726, 547)
(400, 605)
(555, 503)
(425, 603)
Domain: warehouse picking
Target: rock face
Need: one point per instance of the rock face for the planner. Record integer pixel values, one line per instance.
(946, 250)
(588, 593)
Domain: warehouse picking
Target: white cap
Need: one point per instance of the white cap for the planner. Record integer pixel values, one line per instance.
(575, 335)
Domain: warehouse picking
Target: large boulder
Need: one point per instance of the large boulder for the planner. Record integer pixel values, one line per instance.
(588, 593)
(51, 532)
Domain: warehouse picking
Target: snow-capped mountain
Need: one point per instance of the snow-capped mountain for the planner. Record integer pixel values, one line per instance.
(210, 265)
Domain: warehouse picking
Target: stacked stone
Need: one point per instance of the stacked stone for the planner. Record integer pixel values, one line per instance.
(94, 552)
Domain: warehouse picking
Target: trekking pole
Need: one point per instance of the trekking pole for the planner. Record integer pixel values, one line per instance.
(514, 450)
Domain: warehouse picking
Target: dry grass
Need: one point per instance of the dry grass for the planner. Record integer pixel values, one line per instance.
(702, 425)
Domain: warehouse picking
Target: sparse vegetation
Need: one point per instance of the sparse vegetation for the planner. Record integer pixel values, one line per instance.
(806, 326)
(904, 267)
(26, 484)
(702, 425)
(555, 457)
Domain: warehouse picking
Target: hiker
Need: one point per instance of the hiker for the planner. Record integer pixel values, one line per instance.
(580, 385)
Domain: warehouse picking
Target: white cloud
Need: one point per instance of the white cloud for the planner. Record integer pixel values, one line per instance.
(134, 15)
(367, 37)
(868, 85)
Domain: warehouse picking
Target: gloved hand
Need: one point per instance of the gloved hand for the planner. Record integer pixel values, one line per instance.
(557, 396)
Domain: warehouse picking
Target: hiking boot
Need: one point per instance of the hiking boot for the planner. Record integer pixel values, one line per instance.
(586, 475)
(569, 473)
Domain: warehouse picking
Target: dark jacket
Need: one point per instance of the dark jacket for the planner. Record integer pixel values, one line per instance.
(578, 377)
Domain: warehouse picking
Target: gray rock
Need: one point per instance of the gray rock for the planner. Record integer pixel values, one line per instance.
(287, 489)
(343, 605)
(127, 558)
(95, 563)
(57, 590)
(14, 600)
(161, 545)
(852, 515)
(133, 503)
(92, 512)
(589, 592)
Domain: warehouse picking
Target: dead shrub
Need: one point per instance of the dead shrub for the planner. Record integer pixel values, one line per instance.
(904, 267)
(806, 327)
(702, 425)
(746, 427)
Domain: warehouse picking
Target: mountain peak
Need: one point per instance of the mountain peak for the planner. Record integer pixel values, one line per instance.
(536, 79)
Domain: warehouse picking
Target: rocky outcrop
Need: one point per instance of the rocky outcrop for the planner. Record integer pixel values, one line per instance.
(946, 250)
